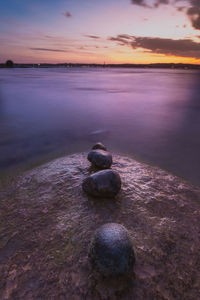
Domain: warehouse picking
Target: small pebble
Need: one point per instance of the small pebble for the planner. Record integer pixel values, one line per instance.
(99, 146)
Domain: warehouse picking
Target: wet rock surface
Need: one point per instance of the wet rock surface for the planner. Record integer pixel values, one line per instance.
(111, 251)
(100, 159)
(99, 146)
(106, 183)
(50, 222)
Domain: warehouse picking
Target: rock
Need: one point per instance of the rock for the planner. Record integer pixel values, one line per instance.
(111, 250)
(106, 183)
(100, 159)
(160, 210)
(99, 146)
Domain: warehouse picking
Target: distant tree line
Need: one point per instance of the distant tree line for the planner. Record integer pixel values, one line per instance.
(9, 64)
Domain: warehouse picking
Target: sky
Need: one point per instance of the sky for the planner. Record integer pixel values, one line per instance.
(100, 31)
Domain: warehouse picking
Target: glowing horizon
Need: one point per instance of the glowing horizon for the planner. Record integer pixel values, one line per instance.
(137, 31)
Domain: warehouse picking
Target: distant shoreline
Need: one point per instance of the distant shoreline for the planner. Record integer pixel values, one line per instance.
(142, 66)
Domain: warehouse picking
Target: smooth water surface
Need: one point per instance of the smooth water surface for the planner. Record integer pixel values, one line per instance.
(150, 114)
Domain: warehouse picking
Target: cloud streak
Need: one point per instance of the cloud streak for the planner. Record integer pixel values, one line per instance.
(49, 50)
(182, 47)
(95, 37)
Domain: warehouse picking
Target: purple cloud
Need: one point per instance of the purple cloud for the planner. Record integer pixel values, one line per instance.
(67, 14)
(192, 9)
(144, 3)
(193, 13)
(182, 47)
(140, 2)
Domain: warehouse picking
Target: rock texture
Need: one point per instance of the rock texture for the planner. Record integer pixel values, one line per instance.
(47, 223)
(106, 183)
(111, 251)
(99, 146)
(100, 159)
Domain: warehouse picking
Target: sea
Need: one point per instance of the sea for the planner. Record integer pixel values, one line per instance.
(152, 115)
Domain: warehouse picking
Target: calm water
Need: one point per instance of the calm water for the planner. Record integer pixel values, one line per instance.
(151, 114)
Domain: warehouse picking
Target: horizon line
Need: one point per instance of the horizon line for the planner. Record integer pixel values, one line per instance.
(101, 64)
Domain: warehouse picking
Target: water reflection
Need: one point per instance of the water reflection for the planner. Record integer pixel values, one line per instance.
(1, 105)
(184, 142)
(153, 114)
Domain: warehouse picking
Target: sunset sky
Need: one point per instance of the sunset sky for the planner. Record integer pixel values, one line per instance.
(94, 31)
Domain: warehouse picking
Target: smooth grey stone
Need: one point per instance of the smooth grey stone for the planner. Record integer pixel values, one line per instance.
(99, 146)
(100, 159)
(106, 183)
(111, 251)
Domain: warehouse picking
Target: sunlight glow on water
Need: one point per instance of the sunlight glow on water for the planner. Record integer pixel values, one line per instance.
(153, 114)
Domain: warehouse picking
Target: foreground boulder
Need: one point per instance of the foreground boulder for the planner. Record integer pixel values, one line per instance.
(99, 146)
(106, 183)
(111, 250)
(100, 159)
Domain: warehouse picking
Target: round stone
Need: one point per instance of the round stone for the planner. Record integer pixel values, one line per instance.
(106, 183)
(100, 159)
(99, 146)
(111, 251)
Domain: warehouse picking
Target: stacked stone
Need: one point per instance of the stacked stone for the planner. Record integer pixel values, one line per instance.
(99, 157)
(105, 182)
(111, 252)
